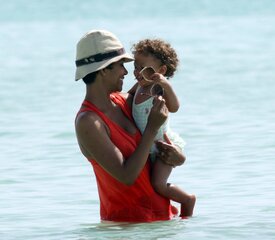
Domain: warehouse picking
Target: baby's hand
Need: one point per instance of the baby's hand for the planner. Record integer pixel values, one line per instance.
(159, 78)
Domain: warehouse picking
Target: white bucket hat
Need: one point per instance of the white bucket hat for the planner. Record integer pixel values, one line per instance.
(96, 50)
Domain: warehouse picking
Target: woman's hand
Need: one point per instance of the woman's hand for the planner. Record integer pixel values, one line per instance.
(158, 114)
(169, 153)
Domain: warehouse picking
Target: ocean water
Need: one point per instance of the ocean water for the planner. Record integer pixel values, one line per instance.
(226, 85)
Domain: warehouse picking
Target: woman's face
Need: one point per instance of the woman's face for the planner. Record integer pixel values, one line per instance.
(116, 75)
(142, 61)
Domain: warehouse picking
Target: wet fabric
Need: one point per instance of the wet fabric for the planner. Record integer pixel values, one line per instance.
(119, 202)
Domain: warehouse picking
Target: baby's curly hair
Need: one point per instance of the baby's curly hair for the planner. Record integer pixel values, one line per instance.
(160, 50)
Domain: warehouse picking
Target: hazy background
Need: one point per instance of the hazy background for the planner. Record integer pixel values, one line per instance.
(225, 83)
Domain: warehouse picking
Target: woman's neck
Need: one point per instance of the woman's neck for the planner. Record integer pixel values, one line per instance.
(99, 97)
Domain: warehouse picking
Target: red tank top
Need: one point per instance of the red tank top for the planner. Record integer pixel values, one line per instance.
(119, 202)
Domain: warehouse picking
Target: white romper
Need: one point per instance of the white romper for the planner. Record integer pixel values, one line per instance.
(141, 112)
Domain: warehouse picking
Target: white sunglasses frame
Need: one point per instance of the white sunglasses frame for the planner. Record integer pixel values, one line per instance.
(142, 73)
(151, 81)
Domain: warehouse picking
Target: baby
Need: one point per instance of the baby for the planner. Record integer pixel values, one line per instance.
(155, 62)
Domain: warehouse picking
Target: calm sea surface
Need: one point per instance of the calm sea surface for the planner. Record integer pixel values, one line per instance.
(226, 85)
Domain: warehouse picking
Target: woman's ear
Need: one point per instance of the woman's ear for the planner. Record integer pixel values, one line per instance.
(102, 72)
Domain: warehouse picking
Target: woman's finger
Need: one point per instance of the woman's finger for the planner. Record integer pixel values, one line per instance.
(161, 145)
(166, 138)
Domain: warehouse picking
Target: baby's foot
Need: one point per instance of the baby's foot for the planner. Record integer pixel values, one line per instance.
(188, 207)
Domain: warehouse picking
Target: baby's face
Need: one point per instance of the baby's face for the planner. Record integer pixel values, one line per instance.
(142, 61)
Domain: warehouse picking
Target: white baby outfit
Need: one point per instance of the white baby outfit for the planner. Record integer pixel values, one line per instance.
(140, 114)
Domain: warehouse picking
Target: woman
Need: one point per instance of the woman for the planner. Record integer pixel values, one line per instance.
(109, 139)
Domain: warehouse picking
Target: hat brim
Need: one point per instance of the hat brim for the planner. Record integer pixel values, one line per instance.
(84, 70)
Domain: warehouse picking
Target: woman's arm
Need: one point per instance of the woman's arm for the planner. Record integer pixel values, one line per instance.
(95, 143)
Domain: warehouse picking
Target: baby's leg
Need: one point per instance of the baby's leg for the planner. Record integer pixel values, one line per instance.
(160, 174)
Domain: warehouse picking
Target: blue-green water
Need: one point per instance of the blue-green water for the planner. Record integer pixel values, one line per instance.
(226, 84)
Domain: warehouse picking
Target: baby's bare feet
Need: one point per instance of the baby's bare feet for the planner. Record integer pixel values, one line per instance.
(188, 207)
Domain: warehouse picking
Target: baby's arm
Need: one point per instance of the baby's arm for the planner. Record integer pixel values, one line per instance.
(171, 99)
(133, 89)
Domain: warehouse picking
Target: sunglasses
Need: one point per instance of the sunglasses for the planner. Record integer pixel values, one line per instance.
(156, 89)
(147, 72)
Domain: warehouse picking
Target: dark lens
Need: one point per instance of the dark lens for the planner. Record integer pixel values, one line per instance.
(157, 90)
(148, 72)
(161, 92)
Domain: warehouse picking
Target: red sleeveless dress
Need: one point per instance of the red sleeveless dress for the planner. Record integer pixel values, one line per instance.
(119, 202)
